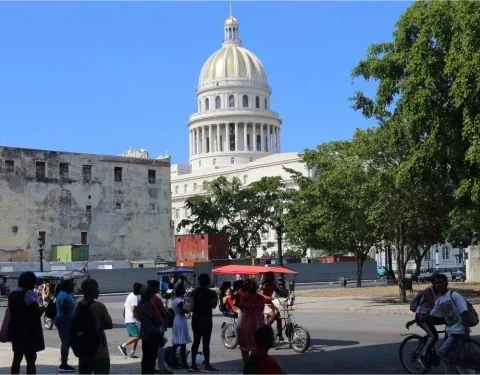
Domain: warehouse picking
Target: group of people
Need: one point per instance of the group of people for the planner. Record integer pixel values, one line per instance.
(438, 305)
(25, 329)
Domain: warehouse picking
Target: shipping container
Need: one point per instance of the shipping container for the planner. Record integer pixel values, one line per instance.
(80, 253)
(69, 253)
(193, 247)
(346, 259)
(264, 261)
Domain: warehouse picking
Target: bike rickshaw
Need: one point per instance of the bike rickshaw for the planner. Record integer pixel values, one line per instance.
(6, 285)
(52, 280)
(298, 337)
(187, 275)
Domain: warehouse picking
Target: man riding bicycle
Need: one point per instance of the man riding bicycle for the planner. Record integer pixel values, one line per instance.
(270, 286)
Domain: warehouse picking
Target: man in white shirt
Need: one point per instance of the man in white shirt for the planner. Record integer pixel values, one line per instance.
(452, 307)
(130, 323)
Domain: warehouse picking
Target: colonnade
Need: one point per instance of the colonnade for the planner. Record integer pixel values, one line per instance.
(238, 136)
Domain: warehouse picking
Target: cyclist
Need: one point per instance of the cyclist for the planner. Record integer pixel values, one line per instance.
(452, 307)
(270, 286)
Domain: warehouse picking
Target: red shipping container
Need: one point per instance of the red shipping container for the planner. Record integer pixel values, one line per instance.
(327, 259)
(194, 247)
(346, 259)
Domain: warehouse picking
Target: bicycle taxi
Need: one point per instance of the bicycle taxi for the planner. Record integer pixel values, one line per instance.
(298, 337)
(187, 275)
(49, 286)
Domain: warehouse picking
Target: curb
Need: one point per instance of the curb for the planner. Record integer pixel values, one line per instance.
(355, 310)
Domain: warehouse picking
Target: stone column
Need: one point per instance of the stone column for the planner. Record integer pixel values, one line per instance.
(197, 141)
(262, 143)
(472, 264)
(190, 142)
(245, 131)
(279, 138)
(210, 142)
(254, 125)
(217, 146)
(227, 137)
(236, 136)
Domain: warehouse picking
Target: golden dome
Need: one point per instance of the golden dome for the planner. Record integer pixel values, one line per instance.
(231, 21)
(232, 61)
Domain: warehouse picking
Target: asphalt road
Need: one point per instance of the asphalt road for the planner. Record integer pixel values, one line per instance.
(340, 343)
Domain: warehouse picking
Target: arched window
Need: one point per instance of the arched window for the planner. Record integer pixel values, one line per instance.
(257, 102)
(218, 102)
(231, 101)
(207, 104)
(232, 161)
(251, 158)
(245, 101)
(266, 106)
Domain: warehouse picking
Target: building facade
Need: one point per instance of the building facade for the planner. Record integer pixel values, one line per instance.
(119, 206)
(234, 132)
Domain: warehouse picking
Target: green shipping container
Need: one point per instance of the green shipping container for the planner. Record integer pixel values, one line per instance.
(69, 253)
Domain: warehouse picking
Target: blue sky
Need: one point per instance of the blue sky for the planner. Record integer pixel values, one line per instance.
(98, 77)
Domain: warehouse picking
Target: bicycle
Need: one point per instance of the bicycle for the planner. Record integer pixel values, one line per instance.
(418, 342)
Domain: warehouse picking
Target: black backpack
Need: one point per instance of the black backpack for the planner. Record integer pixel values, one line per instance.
(251, 365)
(51, 311)
(85, 339)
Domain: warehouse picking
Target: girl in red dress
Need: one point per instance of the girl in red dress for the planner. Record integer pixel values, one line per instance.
(251, 306)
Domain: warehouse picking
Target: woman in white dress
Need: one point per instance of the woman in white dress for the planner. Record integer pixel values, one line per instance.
(180, 334)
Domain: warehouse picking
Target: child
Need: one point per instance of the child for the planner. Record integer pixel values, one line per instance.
(260, 362)
(229, 300)
(180, 335)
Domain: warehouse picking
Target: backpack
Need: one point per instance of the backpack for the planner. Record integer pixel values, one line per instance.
(416, 301)
(471, 313)
(51, 311)
(251, 365)
(84, 337)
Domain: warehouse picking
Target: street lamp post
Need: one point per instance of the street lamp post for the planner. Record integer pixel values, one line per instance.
(41, 243)
(253, 254)
(279, 227)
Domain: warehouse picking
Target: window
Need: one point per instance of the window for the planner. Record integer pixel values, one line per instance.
(87, 173)
(257, 102)
(64, 171)
(204, 184)
(43, 236)
(218, 102)
(231, 101)
(259, 142)
(245, 101)
(176, 189)
(9, 165)
(177, 214)
(40, 170)
(185, 188)
(152, 206)
(118, 206)
(445, 253)
(207, 104)
(266, 106)
(245, 179)
(118, 174)
(248, 142)
(88, 209)
(221, 143)
(199, 163)
(194, 186)
(232, 161)
(214, 161)
(152, 176)
(83, 239)
(251, 158)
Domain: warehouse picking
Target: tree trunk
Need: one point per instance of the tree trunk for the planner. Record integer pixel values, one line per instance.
(359, 272)
(400, 245)
(418, 265)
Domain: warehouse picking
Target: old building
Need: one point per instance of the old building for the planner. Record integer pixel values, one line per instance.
(120, 206)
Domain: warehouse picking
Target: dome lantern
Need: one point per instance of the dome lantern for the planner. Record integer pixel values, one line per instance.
(231, 28)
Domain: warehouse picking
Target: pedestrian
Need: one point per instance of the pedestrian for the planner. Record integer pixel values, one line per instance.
(130, 324)
(157, 302)
(204, 301)
(151, 331)
(452, 307)
(260, 362)
(90, 311)
(252, 306)
(25, 329)
(180, 335)
(63, 319)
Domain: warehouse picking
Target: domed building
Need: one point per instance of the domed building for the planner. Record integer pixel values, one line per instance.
(234, 132)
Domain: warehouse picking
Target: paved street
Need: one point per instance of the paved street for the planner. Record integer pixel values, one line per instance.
(341, 343)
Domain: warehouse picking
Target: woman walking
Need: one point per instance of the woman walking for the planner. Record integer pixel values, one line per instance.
(251, 306)
(25, 330)
(180, 336)
(63, 321)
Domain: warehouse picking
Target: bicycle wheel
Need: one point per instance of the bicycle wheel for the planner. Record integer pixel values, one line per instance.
(410, 353)
(300, 339)
(465, 371)
(229, 336)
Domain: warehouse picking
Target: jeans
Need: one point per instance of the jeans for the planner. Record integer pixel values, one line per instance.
(202, 331)
(150, 350)
(17, 360)
(448, 347)
(63, 324)
(94, 365)
(161, 358)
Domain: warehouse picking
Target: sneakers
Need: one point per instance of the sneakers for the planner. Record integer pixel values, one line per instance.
(193, 368)
(210, 369)
(123, 350)
(424, 362)
(65, 368)
(132, 355)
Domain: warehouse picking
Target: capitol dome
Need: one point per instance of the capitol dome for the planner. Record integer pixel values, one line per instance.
(232, 61)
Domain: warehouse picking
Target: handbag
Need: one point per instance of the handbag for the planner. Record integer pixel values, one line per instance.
(465, 357)
(4, 331)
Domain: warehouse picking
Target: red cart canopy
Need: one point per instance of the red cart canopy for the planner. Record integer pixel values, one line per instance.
(250, 270)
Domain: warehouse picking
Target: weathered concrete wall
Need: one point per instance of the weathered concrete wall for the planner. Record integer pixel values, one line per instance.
(140, 229)
(473, 264)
